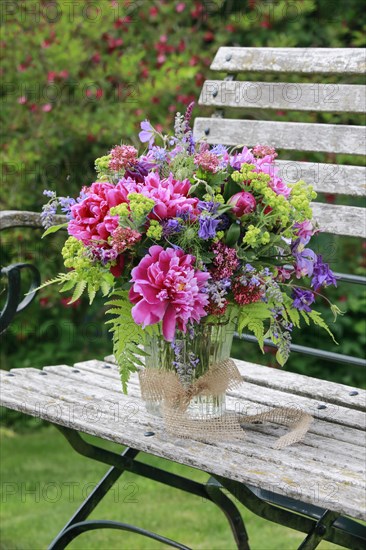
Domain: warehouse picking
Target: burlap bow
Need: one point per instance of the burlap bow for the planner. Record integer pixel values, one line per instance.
(166, 388)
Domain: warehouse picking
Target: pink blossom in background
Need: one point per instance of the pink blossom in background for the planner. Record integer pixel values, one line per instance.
(180, 7)
(90, 220)
(47, 107)
(166, 287)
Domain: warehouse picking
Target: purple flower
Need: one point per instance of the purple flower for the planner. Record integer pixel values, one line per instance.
(48, 214)
(244, 157)
(224, 222)
(208, 206)
(159, 154)
(322, 275)
(207, 228)
(138, 172)
(66, 204)
(170, 227)
(302, 299)
(49, 193)
(219, 150)
(305, 259)
(147, 133)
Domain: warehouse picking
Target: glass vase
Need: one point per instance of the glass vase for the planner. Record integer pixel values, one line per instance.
(190, 356)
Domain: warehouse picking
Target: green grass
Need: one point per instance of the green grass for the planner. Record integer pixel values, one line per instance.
(43, 480)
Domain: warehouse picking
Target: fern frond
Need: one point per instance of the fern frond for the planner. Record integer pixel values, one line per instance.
(253, 316)
(61, 278)
(127, 336)
(318, 320)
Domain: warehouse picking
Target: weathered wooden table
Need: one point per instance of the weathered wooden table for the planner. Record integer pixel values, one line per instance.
(309, 486)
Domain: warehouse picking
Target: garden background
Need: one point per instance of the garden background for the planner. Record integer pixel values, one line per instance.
(77, 78)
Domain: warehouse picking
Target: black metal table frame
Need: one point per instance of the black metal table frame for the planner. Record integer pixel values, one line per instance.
(318, 524)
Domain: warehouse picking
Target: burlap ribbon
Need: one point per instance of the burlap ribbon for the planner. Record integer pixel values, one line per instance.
(165, 387)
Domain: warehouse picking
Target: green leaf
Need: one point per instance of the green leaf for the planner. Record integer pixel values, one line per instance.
(280, 358)
(232, 234)
(54, 228)
(79, 289)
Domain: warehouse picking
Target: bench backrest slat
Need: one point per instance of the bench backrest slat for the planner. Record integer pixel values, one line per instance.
(292, 136)
(18, 218)
(344, 61)
(331, 98)
(295, 136)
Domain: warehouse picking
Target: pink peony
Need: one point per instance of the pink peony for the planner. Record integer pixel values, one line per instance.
(90, 217)
(170, 196)
(166, 287)
(242, 203)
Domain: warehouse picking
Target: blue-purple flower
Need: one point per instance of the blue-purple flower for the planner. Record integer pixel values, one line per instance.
(305, 259)
(171, 226)
(208, 206)
(208, 226)
(322, 275)
(302, 299)
(147, 133)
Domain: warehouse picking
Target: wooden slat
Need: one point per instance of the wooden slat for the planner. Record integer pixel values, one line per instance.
(284, 95)
(326, 178)
(332, 392)
(68, 399)
(17, 218)
(295, 136)
(345, 61)
(84, 377)
(249, 393)
(340, 220)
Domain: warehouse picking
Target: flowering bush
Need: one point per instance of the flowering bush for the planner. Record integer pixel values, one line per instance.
(184, 231)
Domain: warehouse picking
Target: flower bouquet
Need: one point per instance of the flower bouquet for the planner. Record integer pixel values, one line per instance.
(190, 243)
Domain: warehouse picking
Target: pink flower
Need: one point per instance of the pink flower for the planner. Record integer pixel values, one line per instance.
(261, 151)
(166, 287)
(207, 161)
(266, 165)
(124, 238)
(305, 230)
(170, 196)
(242, 203)
(47, 107)
(279, 187)
(90, 217)
(225, 261)
(180, 7)
(123, 156)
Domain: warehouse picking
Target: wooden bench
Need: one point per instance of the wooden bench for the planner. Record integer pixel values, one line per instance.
(315, 486)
